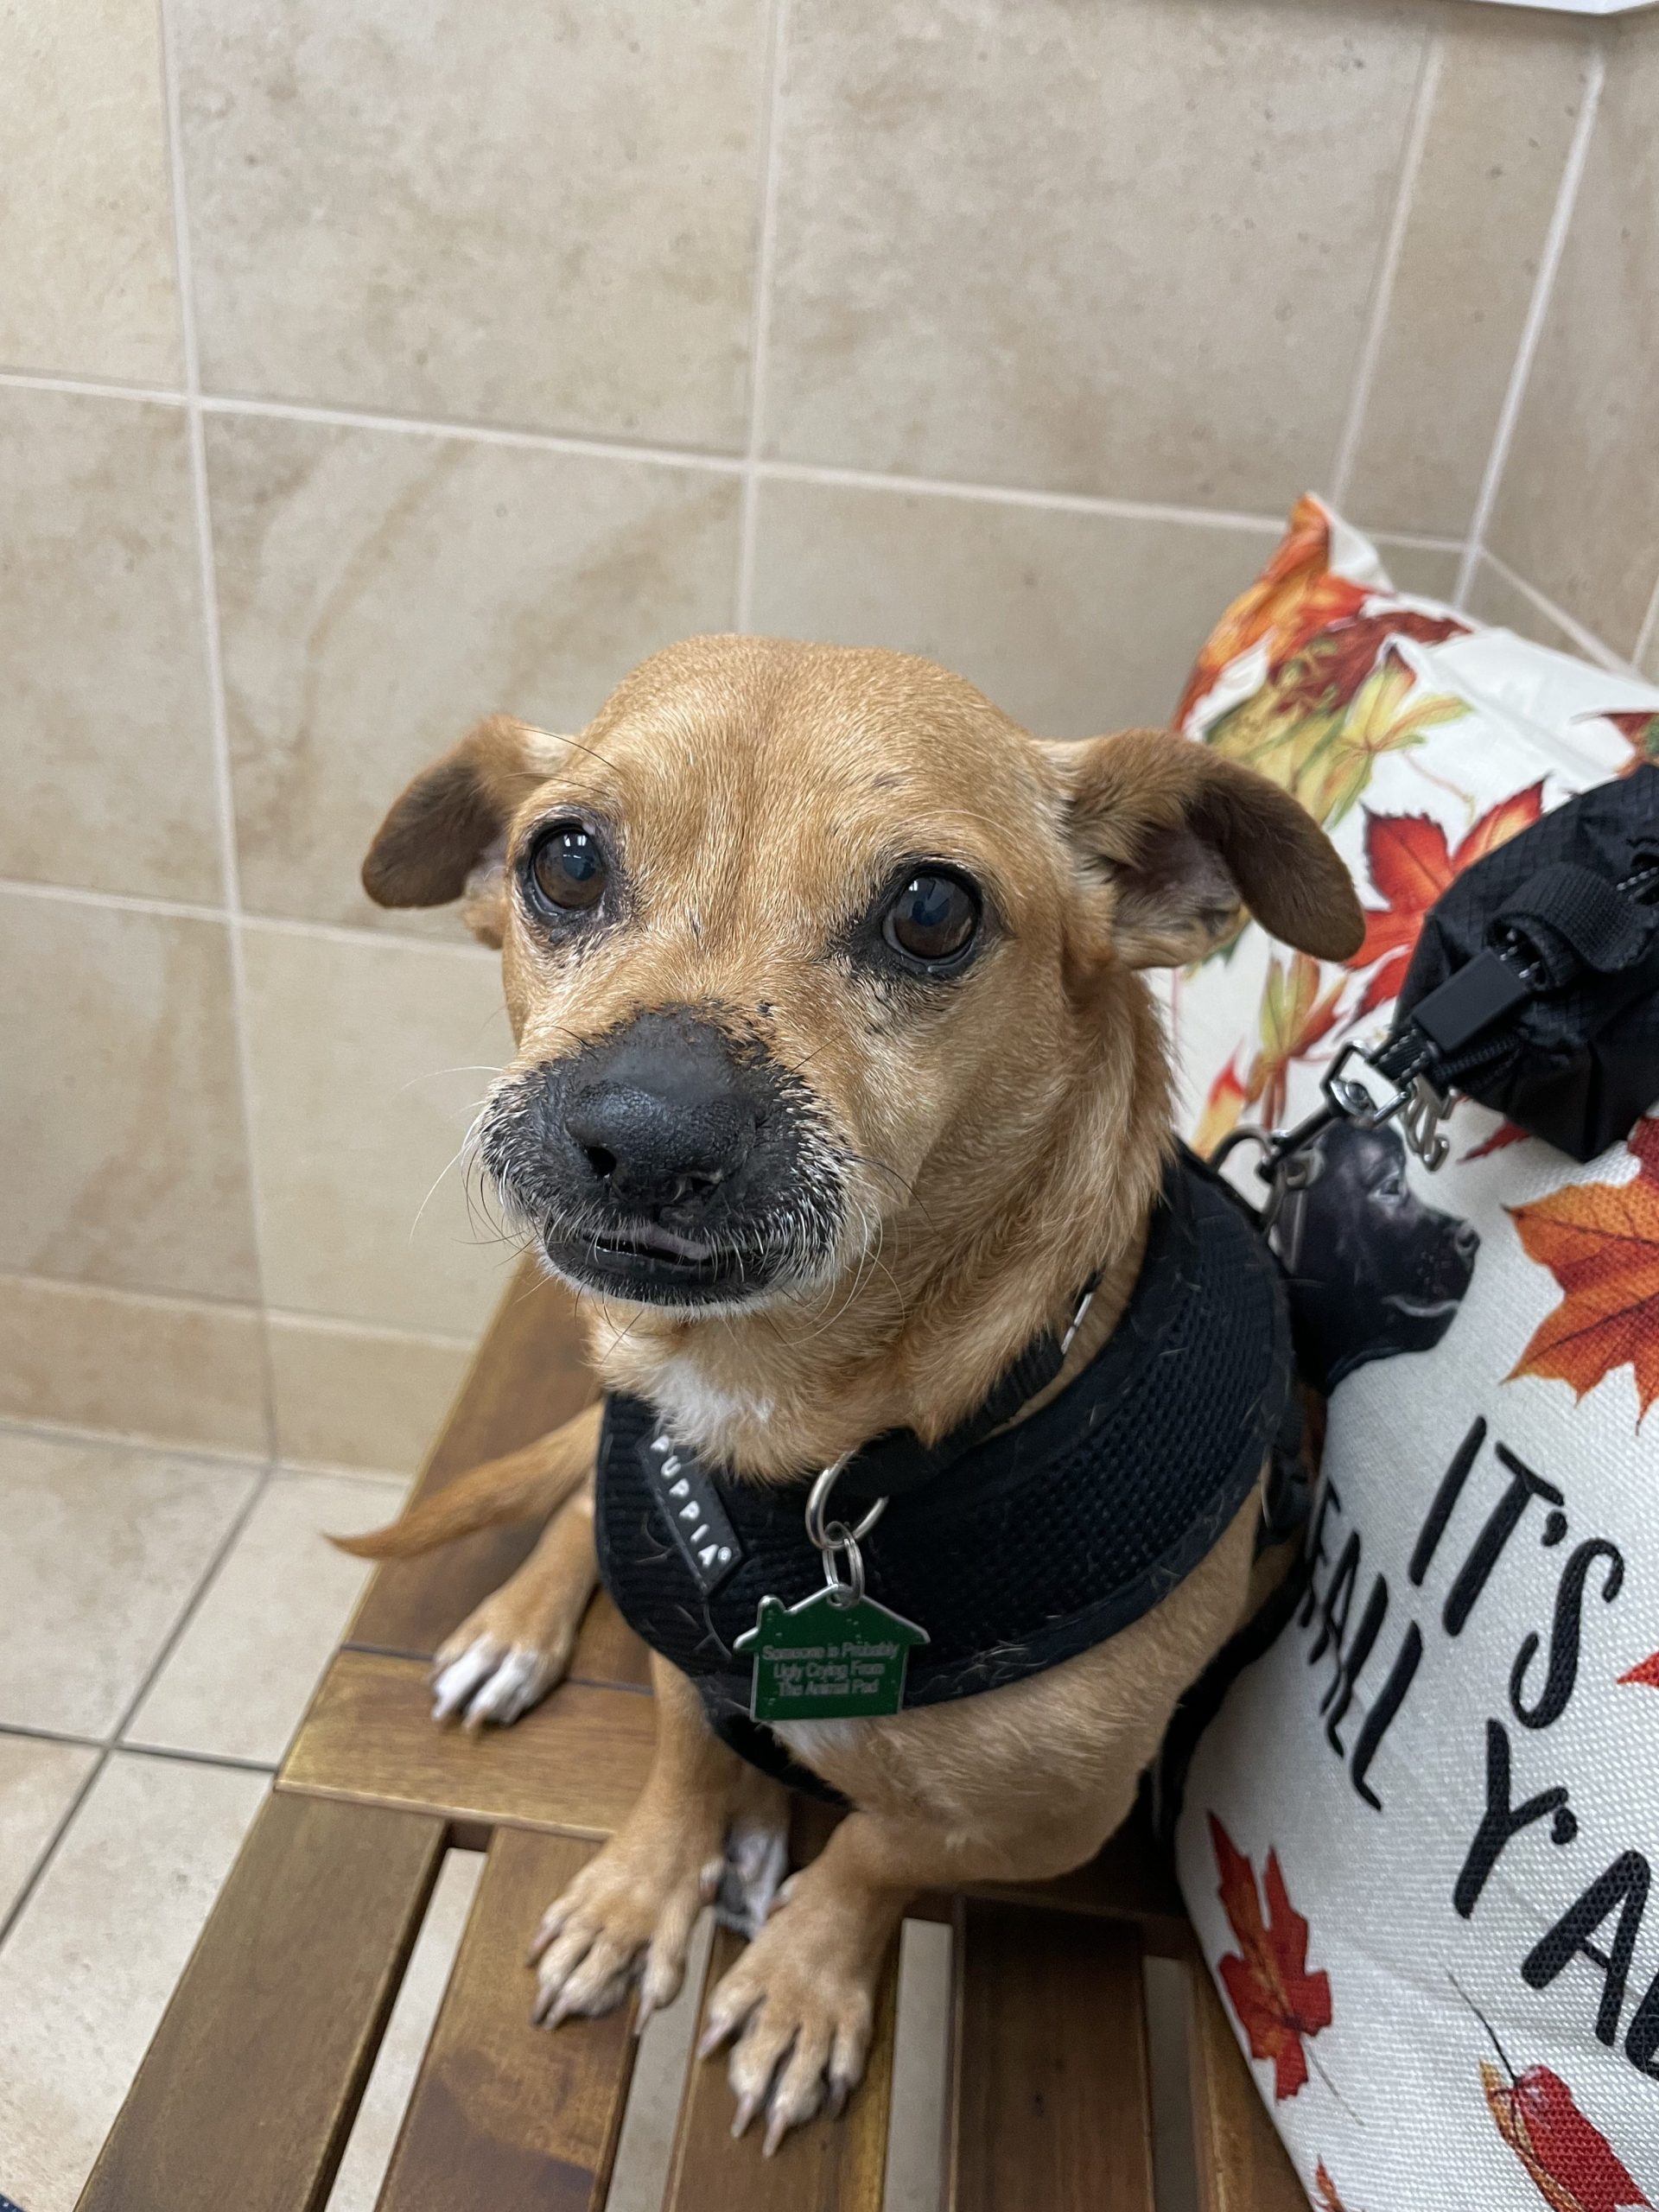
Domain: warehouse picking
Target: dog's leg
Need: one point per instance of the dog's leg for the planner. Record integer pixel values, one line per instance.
(636, 1901)
(801, 2001)
(510, 1651)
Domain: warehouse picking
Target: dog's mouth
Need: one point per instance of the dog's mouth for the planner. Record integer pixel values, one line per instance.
(652, 1240)
(624, 1218)
(650, 1264)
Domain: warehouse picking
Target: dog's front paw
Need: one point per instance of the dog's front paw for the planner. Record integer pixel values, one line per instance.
(630, 1908)
(800, 2002)
(485, 1680)
(495, 1666)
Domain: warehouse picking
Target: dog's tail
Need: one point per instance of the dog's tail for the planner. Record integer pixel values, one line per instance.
(529, 1485)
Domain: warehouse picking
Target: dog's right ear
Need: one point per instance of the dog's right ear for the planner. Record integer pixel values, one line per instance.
(446, 837)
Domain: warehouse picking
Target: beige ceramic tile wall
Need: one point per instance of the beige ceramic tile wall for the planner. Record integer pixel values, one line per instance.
(362, 369)
(1577, 511)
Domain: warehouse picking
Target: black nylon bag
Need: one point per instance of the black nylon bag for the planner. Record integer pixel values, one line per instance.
(1570, 902)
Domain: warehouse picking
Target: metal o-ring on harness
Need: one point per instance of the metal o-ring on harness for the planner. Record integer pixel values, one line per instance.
(830, 1538)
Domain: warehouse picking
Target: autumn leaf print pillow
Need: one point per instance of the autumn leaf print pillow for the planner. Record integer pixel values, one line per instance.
(1419, 1842)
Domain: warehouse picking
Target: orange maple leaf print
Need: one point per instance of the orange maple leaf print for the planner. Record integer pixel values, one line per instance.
(1294, 1019)
(1640, 731)
(1329, 668)
(1506, 1135)
(1326, 2191)
(1600, 1241)
(1295, 596)
(1277, 2000)
(1411, 863)
(1228, 1095)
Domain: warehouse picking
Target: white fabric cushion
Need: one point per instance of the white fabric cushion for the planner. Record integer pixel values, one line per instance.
(1419, 1841)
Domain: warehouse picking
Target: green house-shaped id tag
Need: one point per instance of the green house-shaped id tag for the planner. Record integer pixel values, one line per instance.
(826, 1660)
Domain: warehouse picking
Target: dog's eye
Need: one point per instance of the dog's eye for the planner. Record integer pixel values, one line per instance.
(569, 867)
(932, 920)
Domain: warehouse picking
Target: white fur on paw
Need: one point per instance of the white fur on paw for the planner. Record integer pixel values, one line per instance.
(757, 1860)
(490, 1682)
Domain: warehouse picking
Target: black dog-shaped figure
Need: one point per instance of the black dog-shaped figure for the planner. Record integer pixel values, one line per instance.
(1373, 1271)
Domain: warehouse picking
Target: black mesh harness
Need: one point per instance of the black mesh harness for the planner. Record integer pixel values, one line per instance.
(1015, 1550)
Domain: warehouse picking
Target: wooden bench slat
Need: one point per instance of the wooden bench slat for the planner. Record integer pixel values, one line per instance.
(576, 1764)
(1053, 2101)
(1243, 2165)
(1131, 1878)
(529, 1374)
(828, 2166)
(503, 2112)
(248, 2091)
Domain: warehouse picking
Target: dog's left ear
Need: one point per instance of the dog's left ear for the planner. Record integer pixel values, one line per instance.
(1180, 839)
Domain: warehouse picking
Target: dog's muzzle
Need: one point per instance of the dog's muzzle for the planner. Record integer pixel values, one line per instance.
(672, 1162)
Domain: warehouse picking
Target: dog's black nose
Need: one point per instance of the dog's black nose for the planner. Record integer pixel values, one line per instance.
(660, 1148)
(665, 1115)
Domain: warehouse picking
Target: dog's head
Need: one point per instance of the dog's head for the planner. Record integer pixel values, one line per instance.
(797, 938)
(1374, 1271)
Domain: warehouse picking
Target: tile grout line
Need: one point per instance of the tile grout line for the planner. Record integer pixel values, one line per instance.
(232, 1762)
(765, 471)
(49, 1850)
(318, 1318)
(1593, 647)
(138, 902)
(180, 1757)
(90, 388)
(129, 1439)
(39, 1735)
(761, 323)
(170, 1643)
(1416, 540)
(229, 866)
(63, 1432)
(580, 445)
(112, 1742)
(1532, 329)
(1370, 354)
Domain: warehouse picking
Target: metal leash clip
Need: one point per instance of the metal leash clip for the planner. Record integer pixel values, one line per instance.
(1420, 1107)
(1359, 1089)
(832, 1538)
(1367, 1104)
(1419, 1122)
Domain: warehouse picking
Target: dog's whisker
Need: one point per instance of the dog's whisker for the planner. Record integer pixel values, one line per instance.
(456, 1157)
(431, 1075)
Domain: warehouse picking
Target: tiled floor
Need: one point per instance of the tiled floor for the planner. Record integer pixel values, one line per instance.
(165, 1617)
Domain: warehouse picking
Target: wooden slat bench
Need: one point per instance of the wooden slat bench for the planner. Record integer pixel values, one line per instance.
(248, 2092)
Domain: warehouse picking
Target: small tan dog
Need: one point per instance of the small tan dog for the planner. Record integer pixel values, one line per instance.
(836, 1078)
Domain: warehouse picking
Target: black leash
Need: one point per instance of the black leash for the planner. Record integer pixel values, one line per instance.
(1534, 989)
